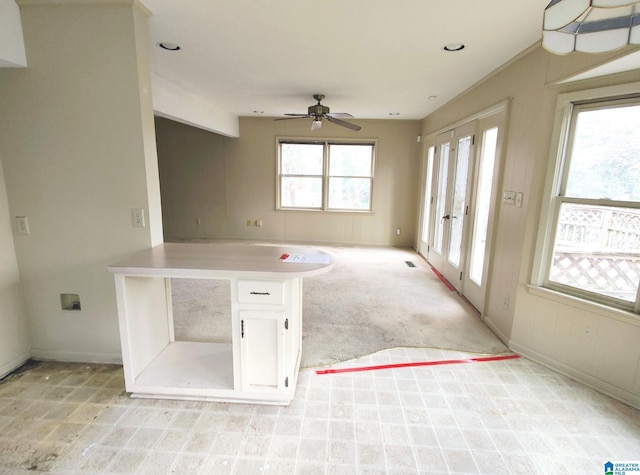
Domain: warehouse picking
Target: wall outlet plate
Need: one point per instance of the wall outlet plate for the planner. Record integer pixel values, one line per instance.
(137, 215)
(22, 224)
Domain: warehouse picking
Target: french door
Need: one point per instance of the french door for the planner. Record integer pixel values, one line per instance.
(453, 151)
(460, 196)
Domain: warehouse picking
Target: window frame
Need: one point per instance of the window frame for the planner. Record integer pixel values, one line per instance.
(326, 176)
(567, 108)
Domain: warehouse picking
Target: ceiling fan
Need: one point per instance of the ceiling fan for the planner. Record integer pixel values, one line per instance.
(317, 112)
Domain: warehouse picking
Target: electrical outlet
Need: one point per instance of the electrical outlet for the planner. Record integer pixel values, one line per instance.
(258, 223)
(137, 215)
(198, 221)
(397, 231)
(23, 224)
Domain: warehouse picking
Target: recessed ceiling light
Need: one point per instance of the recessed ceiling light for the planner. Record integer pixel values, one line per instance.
(169, 46)
(453, 47)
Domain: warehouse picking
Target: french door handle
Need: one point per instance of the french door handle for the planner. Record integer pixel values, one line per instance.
(446, 216)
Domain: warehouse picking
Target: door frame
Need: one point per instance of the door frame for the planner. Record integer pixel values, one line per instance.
(501, 112)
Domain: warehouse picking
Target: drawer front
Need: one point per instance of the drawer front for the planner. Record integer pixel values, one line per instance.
(261, 291)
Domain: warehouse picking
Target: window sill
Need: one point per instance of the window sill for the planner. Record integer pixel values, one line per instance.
(586, 305)
(324, 211)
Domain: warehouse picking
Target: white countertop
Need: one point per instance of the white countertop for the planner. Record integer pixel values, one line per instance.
(224, 260)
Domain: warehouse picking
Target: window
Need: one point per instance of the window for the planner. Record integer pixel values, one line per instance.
(325, 175)
(595, 210)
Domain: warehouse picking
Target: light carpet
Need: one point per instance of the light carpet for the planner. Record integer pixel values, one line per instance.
(370, 301)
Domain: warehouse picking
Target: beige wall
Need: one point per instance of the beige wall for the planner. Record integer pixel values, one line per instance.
(573, 338)
(77, 148)
(225, 181)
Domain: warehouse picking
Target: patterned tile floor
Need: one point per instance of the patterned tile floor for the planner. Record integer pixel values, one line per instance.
(500, 417)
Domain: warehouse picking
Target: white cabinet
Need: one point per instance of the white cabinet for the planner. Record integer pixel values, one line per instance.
(267, 316)
(259, 365)
(262, 357)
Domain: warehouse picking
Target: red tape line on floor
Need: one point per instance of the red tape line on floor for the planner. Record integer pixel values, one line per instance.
(444, 281)
(419, 363)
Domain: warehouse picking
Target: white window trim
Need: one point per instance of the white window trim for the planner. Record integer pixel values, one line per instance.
(325, 176)
(559, 140)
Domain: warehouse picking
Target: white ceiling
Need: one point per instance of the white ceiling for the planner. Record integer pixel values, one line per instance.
(369, 57)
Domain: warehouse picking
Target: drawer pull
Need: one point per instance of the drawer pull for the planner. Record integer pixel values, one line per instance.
(259, 293)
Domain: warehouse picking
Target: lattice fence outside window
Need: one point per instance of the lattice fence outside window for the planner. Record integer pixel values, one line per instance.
(598, 250)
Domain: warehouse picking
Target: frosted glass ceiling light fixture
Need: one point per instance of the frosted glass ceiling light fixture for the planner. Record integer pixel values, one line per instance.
(590, 26)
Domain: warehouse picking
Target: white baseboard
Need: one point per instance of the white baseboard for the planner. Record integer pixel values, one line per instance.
(76, 357)
(496, 331)
(13, 364)
(595, 383)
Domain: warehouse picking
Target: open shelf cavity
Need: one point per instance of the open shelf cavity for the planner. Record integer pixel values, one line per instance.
(190, 365)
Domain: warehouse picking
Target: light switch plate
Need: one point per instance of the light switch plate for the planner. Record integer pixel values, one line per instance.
(509, 197)
(519, 197)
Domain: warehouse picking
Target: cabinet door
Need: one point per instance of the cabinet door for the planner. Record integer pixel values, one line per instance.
(262, 350)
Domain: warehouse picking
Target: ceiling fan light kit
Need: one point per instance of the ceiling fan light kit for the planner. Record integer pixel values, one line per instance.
(318, 112)
(590, 26)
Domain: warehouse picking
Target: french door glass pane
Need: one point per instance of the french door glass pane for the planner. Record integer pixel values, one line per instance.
(427, 196)
(483, 200)
(349, 193)
(301, 158)
(605, 157)
(443, 170)
(301, 192)
(459, 200)
(597, 249)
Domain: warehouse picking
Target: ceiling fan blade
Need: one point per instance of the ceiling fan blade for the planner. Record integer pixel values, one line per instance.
(343, 123)
(341, 115)
(294, 117)
(297, 115)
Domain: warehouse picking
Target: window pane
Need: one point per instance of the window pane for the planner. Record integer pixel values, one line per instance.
(301, 192)
(483, 200)
(597, 249)
(349, 193)
(459, 200)
(443, 171)
(605, 157)
(350, 160)
(427, 195)
(301, 159)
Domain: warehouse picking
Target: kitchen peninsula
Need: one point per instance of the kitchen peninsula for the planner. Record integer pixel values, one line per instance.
(261, 362)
